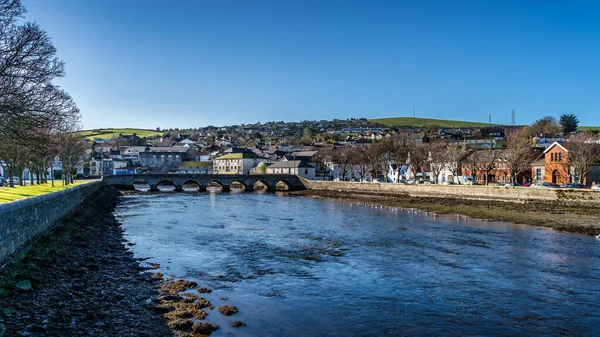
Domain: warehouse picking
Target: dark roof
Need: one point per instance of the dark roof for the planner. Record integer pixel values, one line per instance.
(292, 164)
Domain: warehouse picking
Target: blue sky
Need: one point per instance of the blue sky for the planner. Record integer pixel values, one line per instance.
(148, 64)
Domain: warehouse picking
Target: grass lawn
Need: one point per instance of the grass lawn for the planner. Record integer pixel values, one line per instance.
(424, 122)
(8, 194)
(589, 128)
(110, 133)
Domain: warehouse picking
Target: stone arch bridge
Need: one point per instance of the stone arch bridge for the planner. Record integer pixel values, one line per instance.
(247, 182)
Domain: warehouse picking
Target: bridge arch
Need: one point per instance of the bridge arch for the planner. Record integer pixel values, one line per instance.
(191, 186)
(141, 185)
(216, 185)
(283, 185)
(261, 185)
(166, 185)
(238, 185)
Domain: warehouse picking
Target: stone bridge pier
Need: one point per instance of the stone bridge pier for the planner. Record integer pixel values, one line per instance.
(247, 182)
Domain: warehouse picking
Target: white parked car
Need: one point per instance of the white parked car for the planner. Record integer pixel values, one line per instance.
(596, 187)
(543, 185)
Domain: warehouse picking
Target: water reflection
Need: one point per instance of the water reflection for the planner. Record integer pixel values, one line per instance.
(304, 267)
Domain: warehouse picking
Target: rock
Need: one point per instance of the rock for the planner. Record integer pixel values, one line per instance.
(237, 324)
(224, 298)
(203, 290)
(204, 328)
(228, 310)
(189, 298)
(180, 324)
(23, 286)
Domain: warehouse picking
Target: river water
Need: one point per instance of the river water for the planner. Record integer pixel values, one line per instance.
(303, 267)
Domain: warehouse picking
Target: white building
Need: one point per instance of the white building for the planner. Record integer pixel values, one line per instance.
(236, 163)
(297, 167)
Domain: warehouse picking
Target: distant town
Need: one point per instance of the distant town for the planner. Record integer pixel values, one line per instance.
(547, 153)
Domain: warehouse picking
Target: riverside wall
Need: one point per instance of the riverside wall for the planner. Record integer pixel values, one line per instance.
(23, 221)
(577, 197)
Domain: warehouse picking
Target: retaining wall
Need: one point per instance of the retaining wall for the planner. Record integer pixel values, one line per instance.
(569, 196)
(23, 221)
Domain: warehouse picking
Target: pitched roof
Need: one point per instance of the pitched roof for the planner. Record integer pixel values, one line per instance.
(292, 164)
(244, 155)
(555, 144)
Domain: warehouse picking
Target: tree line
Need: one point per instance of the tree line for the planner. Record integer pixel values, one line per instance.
(37, 117)
(517, 156)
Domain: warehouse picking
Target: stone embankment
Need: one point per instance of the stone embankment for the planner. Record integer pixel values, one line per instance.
(576, 197)
(568, 210)
(24, 221)
(80, 280)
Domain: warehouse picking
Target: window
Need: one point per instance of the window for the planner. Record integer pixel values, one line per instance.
(538, 174)
(306, 171)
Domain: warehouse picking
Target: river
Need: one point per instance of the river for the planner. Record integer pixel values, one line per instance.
(304, 267)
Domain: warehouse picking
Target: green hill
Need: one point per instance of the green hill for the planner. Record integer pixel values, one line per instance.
(589, 128)
(424, 122)
(110, 133)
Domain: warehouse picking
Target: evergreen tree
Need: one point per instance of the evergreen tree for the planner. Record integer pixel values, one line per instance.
(569, 123)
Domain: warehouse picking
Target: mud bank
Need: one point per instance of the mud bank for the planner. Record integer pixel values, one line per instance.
(80, 280)
(550, 214)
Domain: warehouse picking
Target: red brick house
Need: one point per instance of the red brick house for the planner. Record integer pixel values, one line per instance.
(556, 164)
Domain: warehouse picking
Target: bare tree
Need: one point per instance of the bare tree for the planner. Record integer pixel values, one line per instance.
(438, 159)
(484, 161)
(456, 157)
(582, 156)
(419, 158)
(71, 150)
(519, 154)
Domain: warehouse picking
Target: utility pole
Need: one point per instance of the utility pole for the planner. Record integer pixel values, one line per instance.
(414, 111)
(490, 119)
(513, 120)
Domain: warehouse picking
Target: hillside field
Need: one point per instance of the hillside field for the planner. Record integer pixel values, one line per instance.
(110, 133)
(424, 122)
(589, 128)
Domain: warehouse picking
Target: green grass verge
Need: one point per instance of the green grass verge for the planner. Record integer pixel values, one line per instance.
(424, 122)
(589, 128)
(8, 194)
(110, 133)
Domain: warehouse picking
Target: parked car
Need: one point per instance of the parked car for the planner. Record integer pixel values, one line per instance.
(15, 180)
(573, 185)
(447, 182)
(526, 185)
(508, 183)
(543, 185)
(596, 187)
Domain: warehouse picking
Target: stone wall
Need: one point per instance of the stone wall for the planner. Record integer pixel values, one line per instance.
(516, 194)
(22, 222)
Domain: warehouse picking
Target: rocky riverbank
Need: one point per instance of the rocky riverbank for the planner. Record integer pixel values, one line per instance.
(81, 280)
(555, 215)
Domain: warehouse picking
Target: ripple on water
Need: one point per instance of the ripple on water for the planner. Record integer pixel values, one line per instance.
(346, 268)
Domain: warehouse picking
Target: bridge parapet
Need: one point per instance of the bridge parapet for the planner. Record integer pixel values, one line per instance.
(249, 182)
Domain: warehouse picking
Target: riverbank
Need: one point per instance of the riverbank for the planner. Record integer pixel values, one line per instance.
(80, 280)
(551, 214)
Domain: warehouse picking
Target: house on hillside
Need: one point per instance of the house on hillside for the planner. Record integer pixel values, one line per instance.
(236, 163)
(297, 167)
(165, 159)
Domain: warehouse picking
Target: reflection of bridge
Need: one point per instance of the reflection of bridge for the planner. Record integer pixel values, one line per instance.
(248, 182)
